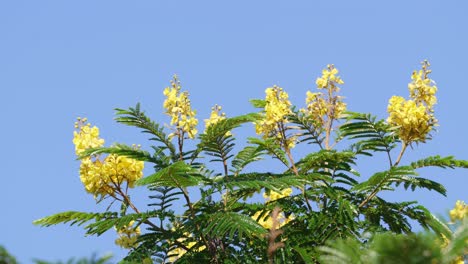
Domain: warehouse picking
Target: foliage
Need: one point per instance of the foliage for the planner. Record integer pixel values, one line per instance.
(204, 206)
(92, 260)
(5, 257)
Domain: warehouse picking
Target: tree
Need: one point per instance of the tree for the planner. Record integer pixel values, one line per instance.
(316, 199)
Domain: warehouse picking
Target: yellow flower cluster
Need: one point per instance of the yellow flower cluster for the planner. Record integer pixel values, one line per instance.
(277, 108)
(215, 116)
(329, 78)
(267, 222)
(86, 137)
(178, 252)
(178, 107)
(459, 212)
(422, 89)
(127, 236)
(415, 117)
(273, 196)
(103, 176)
(322, 106)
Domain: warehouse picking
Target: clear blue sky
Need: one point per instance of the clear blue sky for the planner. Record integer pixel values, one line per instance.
(63, 59)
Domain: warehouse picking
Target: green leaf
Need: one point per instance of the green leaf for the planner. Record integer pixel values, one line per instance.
(437, 161)
(373, 135)
(382, 179)
(74, 217)
(271, 147)
(217, 142)
(307, 130)
(120, 150)
(329, 159)
(178, 174)
(258, 103)
(135, 117)
(274, 182)
(229, 223)
(246, 156)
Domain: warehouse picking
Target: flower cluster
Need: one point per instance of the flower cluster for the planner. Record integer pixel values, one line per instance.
(267, 222)
(215, 116)
(128, 236)
(273, 196)
(178, 107)
(459, 212)
(422, 89)
(277, 108)
(415, 117)
(103, 176)
(329, 78)
(86, 137)
(325, 106)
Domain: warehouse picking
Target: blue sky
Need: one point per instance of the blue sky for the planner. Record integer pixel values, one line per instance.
(63, 59)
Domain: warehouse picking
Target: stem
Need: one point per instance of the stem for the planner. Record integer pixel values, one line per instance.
(403, 148)
(180, 142)
(330, 113)
(291, 160)
(377, 189)
(226, 194)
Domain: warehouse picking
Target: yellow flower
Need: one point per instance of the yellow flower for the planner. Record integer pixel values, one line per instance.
(415, 117)
(422, 89)
(459, 212)
(127, 236)
(178, 107)
(322, 106)
(329, 78)
(274, 121)
(86, 137)
(101, 176)
(272, 196)
(267, 222)
(215, 117)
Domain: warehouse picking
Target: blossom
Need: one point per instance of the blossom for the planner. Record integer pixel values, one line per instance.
(86, 137)
(414, 117)
(178, 107)
(273, 196)
(215, 117)
(422, 89)
(127, 235)
(277, 108)
(459, 212)
(267, 222)
(329, 78)
(323, 107)
(103, 175)
(414, 120)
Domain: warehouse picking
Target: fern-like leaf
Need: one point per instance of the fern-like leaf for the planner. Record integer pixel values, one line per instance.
(437, 161)
(229, 223)
(135, 117)
(73, 217)
(178, 174)
(271, 147)
(373, 135)
(120, 150)
(246, 156)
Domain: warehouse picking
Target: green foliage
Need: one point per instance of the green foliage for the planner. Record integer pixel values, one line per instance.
(331, 213)
(371, 135)
(5, 257)
(230, 224)
(395, 248)
(92, 260)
